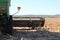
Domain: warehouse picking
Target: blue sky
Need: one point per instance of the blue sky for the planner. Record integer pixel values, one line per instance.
(35, 7)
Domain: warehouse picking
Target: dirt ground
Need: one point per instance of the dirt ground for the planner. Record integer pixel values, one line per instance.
(33, 35)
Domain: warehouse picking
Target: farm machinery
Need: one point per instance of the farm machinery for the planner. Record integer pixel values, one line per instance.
(7, 23)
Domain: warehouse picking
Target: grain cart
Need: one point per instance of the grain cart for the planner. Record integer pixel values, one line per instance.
(6, 22)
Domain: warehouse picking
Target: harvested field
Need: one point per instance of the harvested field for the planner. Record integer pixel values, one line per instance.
(52, 24)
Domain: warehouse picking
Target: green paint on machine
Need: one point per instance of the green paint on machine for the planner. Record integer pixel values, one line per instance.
(5, 4)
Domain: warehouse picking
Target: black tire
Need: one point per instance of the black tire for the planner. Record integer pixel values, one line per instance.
(9, 31)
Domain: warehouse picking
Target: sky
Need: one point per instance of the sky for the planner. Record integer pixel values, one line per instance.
(35, 7)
